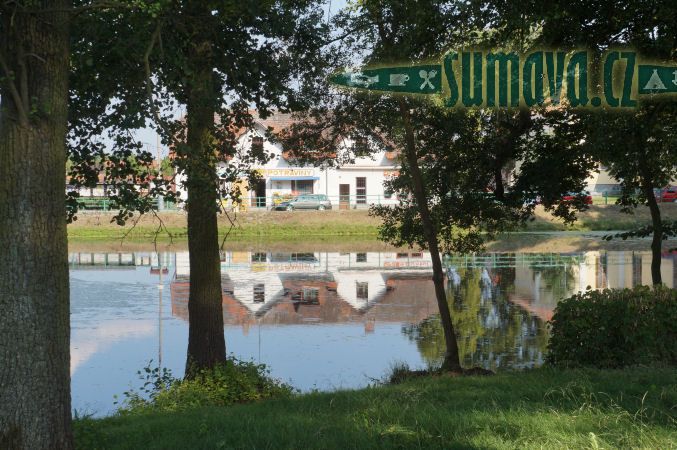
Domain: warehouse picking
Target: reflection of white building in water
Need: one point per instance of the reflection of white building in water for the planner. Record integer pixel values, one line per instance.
(288, 287)
(258, 280)
(594, 269)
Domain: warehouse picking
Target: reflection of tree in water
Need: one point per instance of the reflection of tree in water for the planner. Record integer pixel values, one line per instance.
(492, 332)
(559, 280)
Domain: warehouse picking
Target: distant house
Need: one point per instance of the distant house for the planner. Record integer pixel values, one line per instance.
(352, 185)
(356, 184)
(103, 188)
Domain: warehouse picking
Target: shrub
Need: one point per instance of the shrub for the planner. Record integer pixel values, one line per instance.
(615, 328)
(233, 382)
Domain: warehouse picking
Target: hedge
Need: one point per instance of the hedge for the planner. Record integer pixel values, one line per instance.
(615, 328)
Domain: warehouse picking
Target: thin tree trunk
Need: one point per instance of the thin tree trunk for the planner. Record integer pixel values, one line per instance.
(647, 183)
(206, 342)
(35, 401)
(657, 240)
(499, 191)
(451, 357)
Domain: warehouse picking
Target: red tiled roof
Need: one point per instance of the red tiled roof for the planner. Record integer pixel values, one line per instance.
(277, 121)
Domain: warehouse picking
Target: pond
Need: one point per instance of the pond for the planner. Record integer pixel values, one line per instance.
(325, 320)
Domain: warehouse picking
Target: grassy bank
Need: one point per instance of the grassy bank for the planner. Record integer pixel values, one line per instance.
(245, 226)
(543, 408)
(300, 225)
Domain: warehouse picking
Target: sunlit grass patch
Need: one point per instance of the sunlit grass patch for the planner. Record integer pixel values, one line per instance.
(542, 408)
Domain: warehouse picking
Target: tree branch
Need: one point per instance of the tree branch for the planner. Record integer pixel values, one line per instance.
(23, 79)
(23, 115)
(97, 4)
(146, 64)
(348, 33)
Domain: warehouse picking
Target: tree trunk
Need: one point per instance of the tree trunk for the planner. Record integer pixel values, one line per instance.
(499, 191)
(206, 342)
(451, 358)
(35, 401)
(657, 240)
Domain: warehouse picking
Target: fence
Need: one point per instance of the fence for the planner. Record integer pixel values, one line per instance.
(105, 204)
(605, 198)
(269, 203)
(610, 197)
(513, 260)
(337, 201)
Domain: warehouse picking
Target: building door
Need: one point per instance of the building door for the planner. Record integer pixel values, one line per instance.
(344, 196)
(259, 199)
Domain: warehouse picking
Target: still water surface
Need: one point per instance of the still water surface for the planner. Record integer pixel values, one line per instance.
(325, 320)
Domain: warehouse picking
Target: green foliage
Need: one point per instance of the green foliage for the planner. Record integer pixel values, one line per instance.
(615, 328)
(668, 230)
(235, 381)
(219, 59)
(540, 409)
(400, 372)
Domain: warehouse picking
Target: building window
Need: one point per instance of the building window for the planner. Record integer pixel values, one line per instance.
(311, 295)
(258, 257)
(257, 143)
(361, 257)
(259, 293)
(302, 186)
(305, 257)
(362, 289)
(228, 288)
(360, 146)
(361, 190)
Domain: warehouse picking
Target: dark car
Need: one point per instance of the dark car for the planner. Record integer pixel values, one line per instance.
(307, 201)
(666, 195)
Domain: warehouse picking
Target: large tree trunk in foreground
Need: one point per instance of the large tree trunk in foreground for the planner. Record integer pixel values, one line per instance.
(35, 401)
(451, 358)
(206, 342)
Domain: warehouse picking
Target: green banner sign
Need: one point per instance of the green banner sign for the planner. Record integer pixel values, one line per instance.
(425, 79)
(508, 79)
(657, 79)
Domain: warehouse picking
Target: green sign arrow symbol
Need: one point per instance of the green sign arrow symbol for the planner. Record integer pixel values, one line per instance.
(421, 79)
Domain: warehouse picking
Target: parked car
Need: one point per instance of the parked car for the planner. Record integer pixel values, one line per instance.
(308, 201)
(568, 198)
(668, 194)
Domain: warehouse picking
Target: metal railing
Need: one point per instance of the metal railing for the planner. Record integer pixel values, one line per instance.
(512, 260)
(105, 204)
(610, 197)
(605, 198)
(268, 203)
(337, 202)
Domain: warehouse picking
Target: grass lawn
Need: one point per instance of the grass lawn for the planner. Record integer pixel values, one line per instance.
(300, 225)
(541, 408)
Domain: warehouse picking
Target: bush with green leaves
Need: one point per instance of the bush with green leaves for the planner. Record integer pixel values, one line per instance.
(615, 328)
(235, 381)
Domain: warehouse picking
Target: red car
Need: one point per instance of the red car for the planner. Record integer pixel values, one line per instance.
(570, 197)
(666, 195)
